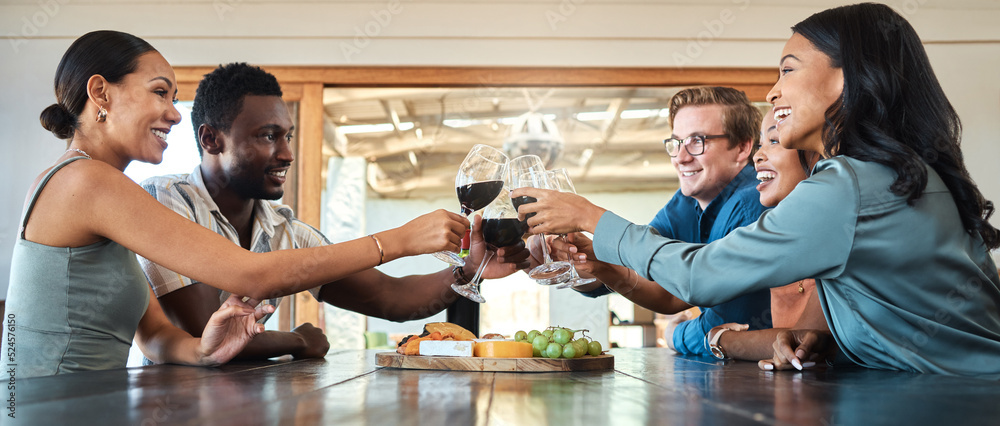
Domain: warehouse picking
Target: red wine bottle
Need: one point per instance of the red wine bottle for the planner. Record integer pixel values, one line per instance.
(466, 243)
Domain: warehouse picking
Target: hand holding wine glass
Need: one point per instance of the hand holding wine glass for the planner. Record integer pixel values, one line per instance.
(521, 172)
(437, 230)
(558, 212)
(506, 260)
(560, 178)
(501, 228)
(528, 171)
(479, 180)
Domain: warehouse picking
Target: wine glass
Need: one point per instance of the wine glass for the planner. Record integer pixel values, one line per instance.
(501, 228)
(529, 171)
(562, 181)
(517, 167)
(479, 180)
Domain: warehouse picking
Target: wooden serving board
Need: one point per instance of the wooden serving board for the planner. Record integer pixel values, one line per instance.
(455, 363)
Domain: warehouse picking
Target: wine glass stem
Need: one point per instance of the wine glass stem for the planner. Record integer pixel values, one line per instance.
(482, 267)
(572, 270)
(545, 249)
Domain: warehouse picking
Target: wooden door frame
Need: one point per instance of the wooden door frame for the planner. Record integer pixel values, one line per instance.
(305, 85)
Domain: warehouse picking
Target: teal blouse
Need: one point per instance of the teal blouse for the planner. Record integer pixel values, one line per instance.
(903, 287)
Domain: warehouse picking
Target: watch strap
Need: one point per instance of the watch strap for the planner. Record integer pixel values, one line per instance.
(715, 334)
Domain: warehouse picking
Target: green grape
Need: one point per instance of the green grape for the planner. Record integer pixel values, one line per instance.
(548, 334)
(532, 334)
(520, 336)
(540, 342)
(594, 349)
(569, 351)
(553, 350)
(562, 336)
(581, 347)
(535, 352)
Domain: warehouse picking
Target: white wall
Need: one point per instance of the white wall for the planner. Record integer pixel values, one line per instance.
(963, 42)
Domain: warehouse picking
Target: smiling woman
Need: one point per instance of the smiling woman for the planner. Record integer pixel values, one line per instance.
(809, 85)
(181, 155)
(76, 287)
(888, 225)
(779, 169)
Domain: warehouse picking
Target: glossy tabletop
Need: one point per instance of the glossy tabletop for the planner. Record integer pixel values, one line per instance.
(647, 386)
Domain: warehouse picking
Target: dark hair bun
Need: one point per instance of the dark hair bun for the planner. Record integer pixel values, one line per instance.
(58, 120)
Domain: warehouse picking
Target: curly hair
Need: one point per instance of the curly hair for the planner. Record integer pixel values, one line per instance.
(220, 94)
(893, 110)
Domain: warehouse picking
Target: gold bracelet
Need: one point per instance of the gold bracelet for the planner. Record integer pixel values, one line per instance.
(381, 253)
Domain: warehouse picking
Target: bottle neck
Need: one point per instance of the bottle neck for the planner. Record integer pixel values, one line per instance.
(466, 243)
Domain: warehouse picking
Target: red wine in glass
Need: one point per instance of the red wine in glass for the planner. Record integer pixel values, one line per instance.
(500, 228)
(522, 200)
(479, 180)
(477, 195)
(502, 232)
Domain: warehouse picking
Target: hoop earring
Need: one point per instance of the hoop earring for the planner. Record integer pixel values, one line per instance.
(102, 115)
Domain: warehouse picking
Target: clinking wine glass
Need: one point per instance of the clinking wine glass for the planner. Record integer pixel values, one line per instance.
(562, 181)
(501, 228)
(526, 173)
(479, 180)
(517, 167)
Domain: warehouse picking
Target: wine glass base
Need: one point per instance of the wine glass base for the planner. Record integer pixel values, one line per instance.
(469, 292)
(551, 273)
(449, 257)
(577, 282)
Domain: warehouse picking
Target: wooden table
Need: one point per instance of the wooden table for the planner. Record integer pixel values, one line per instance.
(648, 386)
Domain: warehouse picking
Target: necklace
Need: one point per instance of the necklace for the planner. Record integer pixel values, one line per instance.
(80, 151)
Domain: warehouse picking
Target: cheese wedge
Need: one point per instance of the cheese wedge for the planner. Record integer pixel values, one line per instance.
(502, 349)
(446, 347)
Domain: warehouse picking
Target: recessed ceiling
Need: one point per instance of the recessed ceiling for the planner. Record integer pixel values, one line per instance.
(415, 138)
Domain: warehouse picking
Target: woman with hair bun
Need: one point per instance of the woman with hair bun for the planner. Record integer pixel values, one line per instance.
(76, 289)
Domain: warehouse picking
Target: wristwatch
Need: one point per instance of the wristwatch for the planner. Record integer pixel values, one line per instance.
(459, 275)
(713, 335)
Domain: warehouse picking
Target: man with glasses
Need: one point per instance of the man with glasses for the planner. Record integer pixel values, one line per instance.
(714, 132)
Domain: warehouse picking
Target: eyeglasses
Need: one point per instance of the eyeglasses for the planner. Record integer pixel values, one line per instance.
(694, 144)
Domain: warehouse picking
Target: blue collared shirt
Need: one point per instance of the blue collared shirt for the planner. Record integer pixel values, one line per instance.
(683, 219)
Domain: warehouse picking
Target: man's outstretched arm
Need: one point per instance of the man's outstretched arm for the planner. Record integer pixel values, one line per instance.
(190, 307)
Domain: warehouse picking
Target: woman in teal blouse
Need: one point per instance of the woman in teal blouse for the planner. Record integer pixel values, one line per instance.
(891, 225)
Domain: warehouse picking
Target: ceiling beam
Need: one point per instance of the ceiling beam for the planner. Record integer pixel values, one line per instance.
(393, 117)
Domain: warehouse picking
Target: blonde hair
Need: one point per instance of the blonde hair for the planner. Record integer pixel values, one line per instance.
(740, 119)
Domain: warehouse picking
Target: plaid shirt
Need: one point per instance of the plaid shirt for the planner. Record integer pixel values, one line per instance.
(274, 227)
